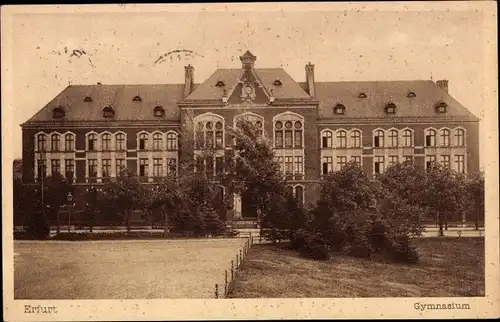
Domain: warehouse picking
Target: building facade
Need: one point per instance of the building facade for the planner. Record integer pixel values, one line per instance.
(88, 132)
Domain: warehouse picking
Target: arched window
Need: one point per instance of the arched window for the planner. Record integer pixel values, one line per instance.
(459, 137)
(256, 120)
(55, 142)
(92, 142)
(407, 138)
(158, 141)
(288, 130)
(341, 139)
(430, 137)
(69, 142)
(393, 138)
(378, 139)
(171, 141)
(445, 137)
(209, 131)
(143, 141)
(120, 142)
(106, 142)
(299, 193)
(326, 139)
(41, 142)
(356, 139)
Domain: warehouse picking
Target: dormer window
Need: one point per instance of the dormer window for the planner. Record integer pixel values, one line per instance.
(58, 112)
(362, 95)
(277, 82)
(390, 108)
(137, 99)
(441, 107)
(108, 111)
(220, 84)
(339, 109)
(159, 111)
(87, 99)
(412, 94)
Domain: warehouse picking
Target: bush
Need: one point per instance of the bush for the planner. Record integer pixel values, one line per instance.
(315, 247)
(402, 251)
(38, 226)
(299, 239)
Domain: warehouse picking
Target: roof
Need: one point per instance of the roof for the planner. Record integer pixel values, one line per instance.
(379, 94)
(266, 76)
(120, 97)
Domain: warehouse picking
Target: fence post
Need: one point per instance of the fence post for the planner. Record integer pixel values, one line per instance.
(216, 291)
(237, 261)
(232, 270)
(225, 282)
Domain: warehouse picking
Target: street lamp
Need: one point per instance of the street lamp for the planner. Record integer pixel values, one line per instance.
(70, 199)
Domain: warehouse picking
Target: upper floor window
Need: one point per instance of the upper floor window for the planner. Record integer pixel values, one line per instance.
(429, 161)
(378, 138)
(390, 108)
(326, 139)
(108, 111)
(412, 94)
(120, 142)
(362, 95)
(407, 138)
(430, 137)
(356, 139)
(87, 99)
(393, 138)
(339, 109)
(137, 98)
(41, 142)
(460, 163)
(299, 193)
(378, 164)
(157, 141)
(441, 107)
(159, 111)
(210, 134)
(143, 141)
(171, 141)
(55, 142)
(341, 139)
(69, 142)
(291, 131)
(106, 142)
(445, 137)
(92, 141)
(459, 137)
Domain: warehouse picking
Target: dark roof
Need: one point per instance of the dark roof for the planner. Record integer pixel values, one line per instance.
(288, 90)
(379, 94)
(120, 97)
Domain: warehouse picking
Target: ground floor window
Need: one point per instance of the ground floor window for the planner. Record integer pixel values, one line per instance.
(326, 165)
(378, 165)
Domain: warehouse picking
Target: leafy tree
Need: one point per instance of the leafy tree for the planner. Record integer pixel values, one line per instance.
(474, 196)
(57, 189)
(91, 207)
(122, 194)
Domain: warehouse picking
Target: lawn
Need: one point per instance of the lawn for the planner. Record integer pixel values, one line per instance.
(448, 267)
(138, 269)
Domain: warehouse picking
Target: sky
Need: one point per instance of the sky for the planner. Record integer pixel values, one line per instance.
(344, 43)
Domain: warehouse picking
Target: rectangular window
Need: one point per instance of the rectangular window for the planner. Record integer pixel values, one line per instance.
(299, 163)
(69, 168)
(280, 162)
(106, 167)
(219, 165)
(157, 167)
(379, 164)
(408, 158)
(460, 161)
(288, 139)
(120, 164)
(210, 139)
(445, 161)
(341, 162)
(172, 165)
(279, 139)
(143, 167)
(120, 142)
(200, 164)
(218, 139)
(198, 140)
(69, 142)
(393, 159)
(377, 141)
(298, 138)
(288, 165)
(429, 159)
(55, 166)
(210, 167)
(326, 165)
(356, 159)
(92, 164)
(42, 168)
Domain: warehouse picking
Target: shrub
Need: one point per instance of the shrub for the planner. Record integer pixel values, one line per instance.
(38, 226)
(315, 247)
(299, 239)
(402, 250)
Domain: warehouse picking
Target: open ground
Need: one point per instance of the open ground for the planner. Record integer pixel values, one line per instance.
(133, 269)
(448, 267)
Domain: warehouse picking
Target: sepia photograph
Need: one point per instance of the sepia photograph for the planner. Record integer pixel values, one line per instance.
(222, 158)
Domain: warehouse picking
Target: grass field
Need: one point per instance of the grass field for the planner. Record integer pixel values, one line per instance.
(136, 269)
(448, 267)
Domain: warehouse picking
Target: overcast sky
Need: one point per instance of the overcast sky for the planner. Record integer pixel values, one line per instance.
(351, 44)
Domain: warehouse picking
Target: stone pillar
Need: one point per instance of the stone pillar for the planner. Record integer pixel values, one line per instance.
(237, 205)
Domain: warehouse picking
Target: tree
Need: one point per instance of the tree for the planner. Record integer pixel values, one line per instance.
(91, 207)
(123, 194)
(474, 197)
(443, 193)
(57, 189)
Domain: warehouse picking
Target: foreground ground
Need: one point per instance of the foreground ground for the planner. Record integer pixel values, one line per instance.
(448, 267)
(135, 269)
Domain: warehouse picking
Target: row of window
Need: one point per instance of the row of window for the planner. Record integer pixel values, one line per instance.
(392, 138)
(108, 142)
(379, 162)
(291, 164)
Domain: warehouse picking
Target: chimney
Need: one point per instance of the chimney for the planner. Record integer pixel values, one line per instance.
(188, 84)
(443, 84)
(310, 79)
